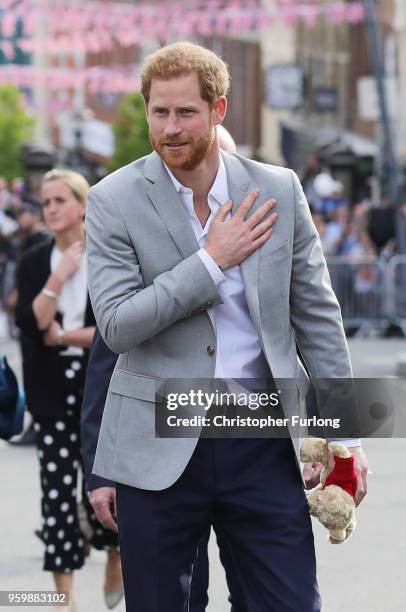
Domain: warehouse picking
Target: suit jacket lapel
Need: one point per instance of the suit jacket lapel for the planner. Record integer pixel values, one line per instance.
(166, 200)
(239, 184)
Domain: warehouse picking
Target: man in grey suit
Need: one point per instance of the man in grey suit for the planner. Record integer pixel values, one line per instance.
(186, 282)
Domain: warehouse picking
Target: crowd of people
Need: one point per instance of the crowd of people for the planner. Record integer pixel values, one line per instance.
(21, 228)
(345, 232)
(342, 226)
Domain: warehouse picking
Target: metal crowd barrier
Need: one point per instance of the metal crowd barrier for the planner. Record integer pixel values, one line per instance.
(397, 289)
(364, 290)
(371, 292)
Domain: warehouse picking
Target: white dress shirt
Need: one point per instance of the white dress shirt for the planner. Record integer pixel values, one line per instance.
(239, 352)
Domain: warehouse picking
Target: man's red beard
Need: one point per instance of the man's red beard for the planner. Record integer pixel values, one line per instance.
(189, 156)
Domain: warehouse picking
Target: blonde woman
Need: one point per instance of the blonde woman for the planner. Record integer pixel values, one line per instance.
(57, 327)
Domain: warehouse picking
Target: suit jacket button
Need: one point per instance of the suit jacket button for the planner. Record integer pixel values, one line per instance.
(211, 350)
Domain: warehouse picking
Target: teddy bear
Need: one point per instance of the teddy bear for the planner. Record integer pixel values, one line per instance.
(332, 501)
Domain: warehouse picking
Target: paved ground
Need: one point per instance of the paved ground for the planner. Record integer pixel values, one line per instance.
(365, 575)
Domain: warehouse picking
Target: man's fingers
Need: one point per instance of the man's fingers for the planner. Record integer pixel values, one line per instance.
(362, 488)
(364, 479)
(259, 214)
(223, 211)
(262, 227)
(246, 204)
(114, 505)
(261, 240)
(104, 515)
(103, 501)
(360, 492)
(311, 474)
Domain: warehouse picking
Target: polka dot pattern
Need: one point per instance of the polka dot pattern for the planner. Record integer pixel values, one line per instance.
(59, 457)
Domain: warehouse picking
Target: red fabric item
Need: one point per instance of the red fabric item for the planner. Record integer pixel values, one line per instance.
(343, 475)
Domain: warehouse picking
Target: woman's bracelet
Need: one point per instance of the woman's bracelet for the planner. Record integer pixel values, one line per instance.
(60, 337)
(49, 293)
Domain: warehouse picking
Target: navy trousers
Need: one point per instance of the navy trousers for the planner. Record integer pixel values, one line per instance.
(200, 582)
(250, 491)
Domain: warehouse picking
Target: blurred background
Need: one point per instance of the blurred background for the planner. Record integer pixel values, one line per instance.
(318, 86)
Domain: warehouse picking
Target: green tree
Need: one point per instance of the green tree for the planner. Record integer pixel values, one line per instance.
(15, 129)
(131, 132)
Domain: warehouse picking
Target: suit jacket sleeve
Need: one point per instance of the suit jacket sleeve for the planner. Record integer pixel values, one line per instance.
(99, 370)
(127, 312)
(315, 312)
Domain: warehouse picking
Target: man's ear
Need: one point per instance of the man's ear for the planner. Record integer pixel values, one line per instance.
(218, 110)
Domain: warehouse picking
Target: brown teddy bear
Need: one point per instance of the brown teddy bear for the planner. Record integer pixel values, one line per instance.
(332, 501)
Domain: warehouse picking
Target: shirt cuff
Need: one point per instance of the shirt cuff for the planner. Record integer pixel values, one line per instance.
(212, 268)
(348, 443)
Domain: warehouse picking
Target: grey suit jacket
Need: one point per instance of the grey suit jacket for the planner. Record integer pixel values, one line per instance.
(150, 293)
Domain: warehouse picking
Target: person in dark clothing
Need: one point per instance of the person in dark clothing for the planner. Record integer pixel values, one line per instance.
(31, 227)
(31, 232)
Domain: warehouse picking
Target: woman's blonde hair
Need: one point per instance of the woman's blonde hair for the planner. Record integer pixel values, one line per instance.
(183, 58)
(75, 181)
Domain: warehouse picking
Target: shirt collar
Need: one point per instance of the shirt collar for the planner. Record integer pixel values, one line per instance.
(219, 189)
(178, 186)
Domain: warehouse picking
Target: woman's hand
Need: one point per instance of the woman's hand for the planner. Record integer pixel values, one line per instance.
(81, 338)
(51, 337)
(70, 261)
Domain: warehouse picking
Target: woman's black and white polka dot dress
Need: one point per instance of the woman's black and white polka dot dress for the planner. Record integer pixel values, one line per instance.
(59, 455)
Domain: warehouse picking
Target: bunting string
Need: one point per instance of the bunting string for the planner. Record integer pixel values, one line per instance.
(95, 25)
(56, 29)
